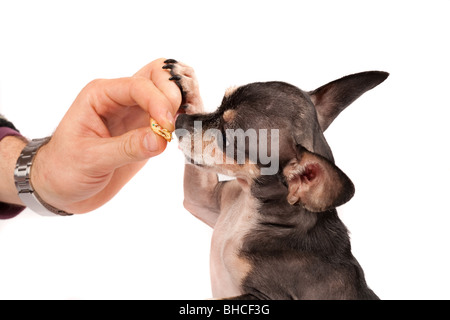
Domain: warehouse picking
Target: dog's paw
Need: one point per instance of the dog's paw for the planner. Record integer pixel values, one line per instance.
(185, 79)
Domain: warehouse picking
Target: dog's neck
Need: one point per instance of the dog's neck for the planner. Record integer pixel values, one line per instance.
(271, 193)
(300, 228)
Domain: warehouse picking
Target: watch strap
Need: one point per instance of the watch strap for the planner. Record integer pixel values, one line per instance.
(24, 187)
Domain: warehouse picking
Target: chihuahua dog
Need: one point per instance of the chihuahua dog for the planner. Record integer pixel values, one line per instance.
(277, 234)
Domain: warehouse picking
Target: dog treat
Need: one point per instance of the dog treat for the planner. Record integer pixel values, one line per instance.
(166, 134)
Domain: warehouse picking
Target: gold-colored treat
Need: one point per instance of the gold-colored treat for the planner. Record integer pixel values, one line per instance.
(166, 134)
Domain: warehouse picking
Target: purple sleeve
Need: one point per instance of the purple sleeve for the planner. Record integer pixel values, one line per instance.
(5, 131)
(7, 210)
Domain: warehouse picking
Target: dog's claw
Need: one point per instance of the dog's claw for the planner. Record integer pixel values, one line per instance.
(176, 78)
(184, 78)
(170, 65)
(170, 61)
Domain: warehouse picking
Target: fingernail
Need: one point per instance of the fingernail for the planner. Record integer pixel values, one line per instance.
(171, 120)
(151, 142)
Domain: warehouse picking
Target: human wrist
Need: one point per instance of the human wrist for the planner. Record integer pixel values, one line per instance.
(40, 178)
(23, 180)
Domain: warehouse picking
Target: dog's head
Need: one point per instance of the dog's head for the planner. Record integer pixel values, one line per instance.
(274, 128)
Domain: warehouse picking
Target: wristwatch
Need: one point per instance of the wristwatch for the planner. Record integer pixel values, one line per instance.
(23, 184)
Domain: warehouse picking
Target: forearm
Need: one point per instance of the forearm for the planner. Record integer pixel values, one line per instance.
(10, 149)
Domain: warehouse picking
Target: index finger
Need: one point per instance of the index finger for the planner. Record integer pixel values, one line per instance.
(106, 95)
(160, 78)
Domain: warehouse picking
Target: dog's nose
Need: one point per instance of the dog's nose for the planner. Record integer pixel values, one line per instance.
(183, 123)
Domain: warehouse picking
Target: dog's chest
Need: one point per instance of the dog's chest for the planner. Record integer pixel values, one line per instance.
(228, 268)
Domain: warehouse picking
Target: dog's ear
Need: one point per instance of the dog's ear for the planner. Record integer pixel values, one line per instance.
(335, 96)
(316, 182)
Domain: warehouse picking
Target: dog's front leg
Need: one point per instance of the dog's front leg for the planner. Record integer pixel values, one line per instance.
(202, 193)
(202, 189)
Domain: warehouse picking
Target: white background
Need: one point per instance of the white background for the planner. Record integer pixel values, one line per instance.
(393, 142)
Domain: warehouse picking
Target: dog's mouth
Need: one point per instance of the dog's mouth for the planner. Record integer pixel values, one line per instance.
(188, 154)
(192, 161)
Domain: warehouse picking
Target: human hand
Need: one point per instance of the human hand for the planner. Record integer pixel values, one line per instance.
(105, 139)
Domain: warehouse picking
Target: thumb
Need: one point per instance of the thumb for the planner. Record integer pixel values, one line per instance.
(133, 146)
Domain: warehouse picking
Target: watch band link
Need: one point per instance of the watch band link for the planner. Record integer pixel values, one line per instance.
(22, 179)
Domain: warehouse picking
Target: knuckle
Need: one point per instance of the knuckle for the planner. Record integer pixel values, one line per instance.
(94, 84)
(138, 85)
(127, 149)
